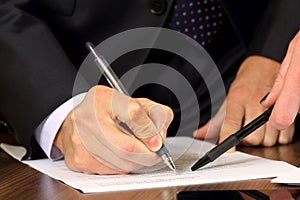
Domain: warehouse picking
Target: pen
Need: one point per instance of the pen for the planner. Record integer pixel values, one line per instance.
(233, 140)
(115, 82)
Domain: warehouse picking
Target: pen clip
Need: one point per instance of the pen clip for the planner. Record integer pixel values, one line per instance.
(107, 71)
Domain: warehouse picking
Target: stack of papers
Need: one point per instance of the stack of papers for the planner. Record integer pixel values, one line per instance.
(185, 151)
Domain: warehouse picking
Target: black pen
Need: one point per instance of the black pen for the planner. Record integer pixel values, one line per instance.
(233, 140)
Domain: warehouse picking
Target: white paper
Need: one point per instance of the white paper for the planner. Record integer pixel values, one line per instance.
(185, 151)
(290, 177)
(17, 152)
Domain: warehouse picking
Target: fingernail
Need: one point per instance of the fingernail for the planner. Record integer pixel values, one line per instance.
(264, 98)
(155, 143)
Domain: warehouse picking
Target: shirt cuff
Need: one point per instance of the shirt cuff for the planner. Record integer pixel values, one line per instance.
(47, 130)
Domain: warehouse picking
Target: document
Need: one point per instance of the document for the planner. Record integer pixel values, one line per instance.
(185, 151)
(289, 177)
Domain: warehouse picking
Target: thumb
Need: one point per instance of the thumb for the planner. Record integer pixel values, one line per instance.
(160, 115)
(135, 119)
(143, 127)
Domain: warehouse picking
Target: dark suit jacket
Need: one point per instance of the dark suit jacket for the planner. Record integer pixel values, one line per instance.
(42, 45)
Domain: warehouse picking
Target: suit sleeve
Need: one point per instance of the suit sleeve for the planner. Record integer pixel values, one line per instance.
(36, 75)
(278, 25)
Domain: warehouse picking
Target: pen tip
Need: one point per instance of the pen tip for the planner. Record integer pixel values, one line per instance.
(171, 165)
(203, 161)
(168, 161)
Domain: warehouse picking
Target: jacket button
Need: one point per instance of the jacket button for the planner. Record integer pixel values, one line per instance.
(157, 7)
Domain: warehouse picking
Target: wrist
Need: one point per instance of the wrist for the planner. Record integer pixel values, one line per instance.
(58, 140)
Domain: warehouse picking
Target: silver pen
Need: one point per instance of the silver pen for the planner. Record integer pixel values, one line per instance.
(115, 82)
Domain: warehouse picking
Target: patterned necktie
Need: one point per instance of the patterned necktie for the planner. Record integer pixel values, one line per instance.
(199, 19)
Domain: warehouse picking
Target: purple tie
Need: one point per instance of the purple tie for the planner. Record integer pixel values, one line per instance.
(199, 19)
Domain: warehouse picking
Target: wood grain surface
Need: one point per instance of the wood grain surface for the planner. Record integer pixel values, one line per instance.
(19, 181)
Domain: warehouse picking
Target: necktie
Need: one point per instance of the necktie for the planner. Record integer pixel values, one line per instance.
(199, 19)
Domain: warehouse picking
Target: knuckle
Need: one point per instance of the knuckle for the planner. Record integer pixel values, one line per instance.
(77, 162)
(99, 91)
(101, 88)
(134, 109)
(127, 147)
(233, 123)
(281, 122)
(75, 140)
(146, 131)
(71, 166)
(143, 99)
(237, 91)
(169, 113)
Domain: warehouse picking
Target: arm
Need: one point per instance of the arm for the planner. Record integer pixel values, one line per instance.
(43, 79)
(36, 74)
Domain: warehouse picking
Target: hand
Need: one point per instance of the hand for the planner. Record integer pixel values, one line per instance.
(286, 90)
(254, 79)
(93, 143)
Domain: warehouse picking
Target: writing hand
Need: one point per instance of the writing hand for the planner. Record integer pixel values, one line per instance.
(92, 142)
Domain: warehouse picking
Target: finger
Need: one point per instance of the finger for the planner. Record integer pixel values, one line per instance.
(76, 157)
(212, 128)
(131, 112)
(76, 137)
(277, 87)
(271, 136)
(108, 151)
(106, 142)
(257, 136)
(286, 136)
(288, 102)
(278, 83)
(285, 111)
(121, 149)
(160, 115)
(232, 122)
(83, 161)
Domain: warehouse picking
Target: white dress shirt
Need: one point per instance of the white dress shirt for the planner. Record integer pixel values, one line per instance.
(47, 130)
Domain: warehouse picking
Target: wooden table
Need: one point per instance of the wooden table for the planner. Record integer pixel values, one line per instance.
(19, 181)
